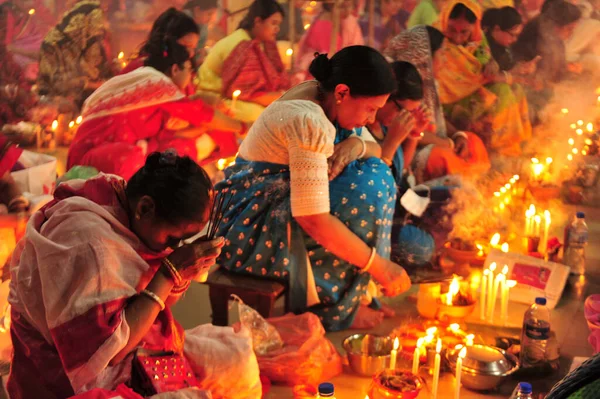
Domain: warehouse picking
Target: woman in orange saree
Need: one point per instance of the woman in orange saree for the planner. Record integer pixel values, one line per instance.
(476, 96)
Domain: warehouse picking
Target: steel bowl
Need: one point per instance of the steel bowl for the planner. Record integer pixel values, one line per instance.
(484, 367)
(368, 354)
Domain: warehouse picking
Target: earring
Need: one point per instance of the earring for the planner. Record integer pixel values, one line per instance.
(338, 102)
(137, 217)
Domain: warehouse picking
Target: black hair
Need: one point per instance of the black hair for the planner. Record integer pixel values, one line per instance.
(180, 188)
(560, 12)
(201, 4)
(262, 9)
(505, 18)
(436, 38)
(409, 81)
(173, 24)
(461, 11)
(370, 77)
(164, 54)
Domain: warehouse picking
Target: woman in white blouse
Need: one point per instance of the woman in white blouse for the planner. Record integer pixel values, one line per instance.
(312, 203)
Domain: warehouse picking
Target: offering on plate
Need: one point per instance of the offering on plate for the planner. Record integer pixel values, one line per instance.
(396, 384)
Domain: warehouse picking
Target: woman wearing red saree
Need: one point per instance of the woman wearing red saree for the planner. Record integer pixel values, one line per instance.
(145, 111)
(94, 278)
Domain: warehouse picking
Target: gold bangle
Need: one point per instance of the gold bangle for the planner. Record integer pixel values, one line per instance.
(155, 298)
(370, 262)
(180, 289)
(177, 279)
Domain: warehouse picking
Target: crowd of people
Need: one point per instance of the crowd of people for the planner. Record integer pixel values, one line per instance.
(323, 152)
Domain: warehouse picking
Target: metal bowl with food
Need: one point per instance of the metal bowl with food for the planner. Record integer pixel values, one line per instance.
(395, 384)
(484, 367)
(368, 354)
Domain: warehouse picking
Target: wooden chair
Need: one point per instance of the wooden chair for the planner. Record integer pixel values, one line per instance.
(260, 294)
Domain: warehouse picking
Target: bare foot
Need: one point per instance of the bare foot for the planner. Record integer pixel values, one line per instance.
(387, 311)
(367, 318)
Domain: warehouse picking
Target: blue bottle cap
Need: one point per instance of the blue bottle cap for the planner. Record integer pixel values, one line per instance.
(540, 301)
(326, 389)
(580, 215)
(525, 387)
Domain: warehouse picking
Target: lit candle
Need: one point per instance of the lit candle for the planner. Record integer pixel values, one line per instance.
(503, 295)
(121, 55)
(394, 354)
(470, 339)
(482, 294)
(498, 284)
(289, 52)
(490, 288)
(54, 125)
(459, 362)
(454, 328)
(538, 221)
(505, 247)
(79, 120)
(234, 98)
(417, 356)
(571, 141)
(579, 132)
(564, 111)
(71, 124)
(495, 240)
(436, 368)
(505, 298)
(31, 11)
(547, 222)
(580, 123)
(590, 127)
(453, 290)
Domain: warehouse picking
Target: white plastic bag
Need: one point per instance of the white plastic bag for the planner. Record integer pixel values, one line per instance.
(265, 337)
(39, 175)
(224, 361)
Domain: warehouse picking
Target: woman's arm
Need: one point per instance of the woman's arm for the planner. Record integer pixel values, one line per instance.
(267, 98)
(432, 138)
(409, 148)
(141, 313)
(220, 121)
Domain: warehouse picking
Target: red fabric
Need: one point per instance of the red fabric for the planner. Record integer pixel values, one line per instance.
(8, 157)
(139, 62)
(122, 391)
(254, 71)
(108, 143)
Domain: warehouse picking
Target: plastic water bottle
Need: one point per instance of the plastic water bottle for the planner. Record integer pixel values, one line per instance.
(535, 335)
(522, 391)
(326, 390)
(577, 241)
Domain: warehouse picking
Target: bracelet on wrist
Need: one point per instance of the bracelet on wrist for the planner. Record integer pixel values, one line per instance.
(451, 143)
(364, 147)
(370, 261)
(172, 271)
(155, 298)
(180, 289)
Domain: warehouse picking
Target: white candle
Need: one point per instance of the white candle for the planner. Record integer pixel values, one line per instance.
(394, 354)
(436, 368)
(490, 289)
(498, 284)
(547, 222)
(505, 298)
(482, 294)
(538, 221)
(504, 248)
(470, 339)
(234, 98)
(495, 240)
(417, 357)
(459, 361)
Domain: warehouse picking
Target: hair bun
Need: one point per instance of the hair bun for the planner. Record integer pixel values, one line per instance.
(320, 67)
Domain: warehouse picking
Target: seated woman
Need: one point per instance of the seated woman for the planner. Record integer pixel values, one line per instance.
(204, 13)
(102, 263)
(314, 206)
(582, 47)
(317, 38)
(544, 37)
(171, 24)
(443, 150)
(11, 197)
(425, 13)
(73, 59)
(248, 60)
(385, 21)
(475, 94)
(143, 111)
(23, 31)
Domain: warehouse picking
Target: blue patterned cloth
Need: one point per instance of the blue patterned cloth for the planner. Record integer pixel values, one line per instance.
(262, 238)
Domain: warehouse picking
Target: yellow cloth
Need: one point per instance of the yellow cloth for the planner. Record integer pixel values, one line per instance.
(209, 75)
(487, 4)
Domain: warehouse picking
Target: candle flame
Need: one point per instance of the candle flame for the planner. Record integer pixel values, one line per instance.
(396, 344)
(306, 26)
(462, 353)
(511, 283)
(496, 194)
(237, 93)
(121, 55)
(438, 346)
(571, 141)
(512, 180)
(573, 126)
(470, 339)
(507, 185)
(71, 124)
(54, 124)
(588, 141)
(502, 189)
(431, 330)
(532, 209)
(580, 123)
(575, 151)
(454, 327)
(502, 206)
(579, 132)
(420, 341)
(570, 157)
(583, 152)
(454, 290)
(79, 120)
(221, 164)
(549, 160)
(516, 177)
(547, 216)
(486, 272)
(590, 127)
(505, 269)
(538, 168)
(289, 52)
(535, 160)
(367, 397)
(564, 111)
(32, 11)
(493, 266)
(504, 247)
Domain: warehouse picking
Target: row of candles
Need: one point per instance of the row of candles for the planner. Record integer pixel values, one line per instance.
(422, 343)
(490, 286)
(533, 222)
(505, 193)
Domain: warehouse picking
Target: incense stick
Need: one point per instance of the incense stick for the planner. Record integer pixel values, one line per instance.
(216, 213)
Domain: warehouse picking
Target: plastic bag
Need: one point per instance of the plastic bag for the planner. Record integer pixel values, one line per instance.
(307, 356)
(265, 337)
(78, 172)
(223, 361)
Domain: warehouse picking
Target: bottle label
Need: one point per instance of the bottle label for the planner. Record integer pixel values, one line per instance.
(578, 237)
(537, 333)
